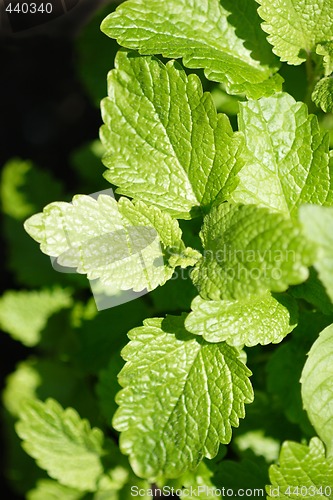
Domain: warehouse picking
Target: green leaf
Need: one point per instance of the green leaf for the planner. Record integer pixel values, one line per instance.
(289, 163)
(24, 314)
(322, 94)
(62, 443)
(248, 251)
(318, 227)
(118, 242)
(259, 319)
(46, 489)
(325, 49)
(149, 108)
(193, 392)
(295, 28)
(303, 471)
(205, 35)
(317, 380)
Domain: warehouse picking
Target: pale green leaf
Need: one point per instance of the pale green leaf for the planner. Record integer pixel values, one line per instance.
(21, 192)
(24, 314)
(46, 489)
(325, 49)
(21, 386)
(248, 251)
(303, 471)
(289, 162)
(164, 141)
(317, 383)
(258, 319)
(121, 243)
(258, 443)
(224, 38)
(181, 396)
(318, 227)
(295, 28)
(62, 443)
(42, 378)
(322, 94)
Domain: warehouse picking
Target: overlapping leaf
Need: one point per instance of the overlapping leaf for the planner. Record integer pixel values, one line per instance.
(259, 319)
(289, 162)
(224, 38)
(303, 471)
(295, 28)
(317, 383)
(181, 396)
(248, 251)
(165, 142)
(120, 243)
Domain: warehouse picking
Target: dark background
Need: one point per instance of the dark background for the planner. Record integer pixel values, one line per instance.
(45, 113)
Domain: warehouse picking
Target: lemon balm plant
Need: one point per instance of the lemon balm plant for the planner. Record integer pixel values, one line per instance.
(261, 268)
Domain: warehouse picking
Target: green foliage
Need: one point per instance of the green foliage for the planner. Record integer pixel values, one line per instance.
(248, 266)
(62, 443)
(80, 232)
(182, 419)
(150, 106)
(259, 319)
(295, 28)
(24, 314)
(325, 49)
(322, 94)
(249, 250)
(204, 35)
(302, 467)
(295, 166)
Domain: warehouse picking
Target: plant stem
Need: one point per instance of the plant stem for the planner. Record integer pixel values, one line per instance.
(312, 80)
